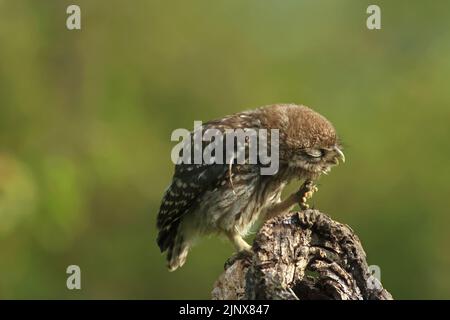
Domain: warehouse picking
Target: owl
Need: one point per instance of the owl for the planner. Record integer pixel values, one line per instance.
(228, 198)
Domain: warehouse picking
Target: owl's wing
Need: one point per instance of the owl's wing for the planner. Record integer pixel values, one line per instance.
(190, 182)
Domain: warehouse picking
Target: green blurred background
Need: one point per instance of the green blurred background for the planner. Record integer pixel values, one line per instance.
(86, 118)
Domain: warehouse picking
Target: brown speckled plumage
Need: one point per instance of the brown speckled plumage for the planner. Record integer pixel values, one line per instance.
(204, 199)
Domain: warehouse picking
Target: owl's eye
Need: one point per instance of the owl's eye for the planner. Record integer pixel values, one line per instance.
(314, 153)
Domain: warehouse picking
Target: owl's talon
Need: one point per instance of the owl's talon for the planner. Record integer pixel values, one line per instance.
(245, 255)
(304, 206)
(309, 194)
(306, 192)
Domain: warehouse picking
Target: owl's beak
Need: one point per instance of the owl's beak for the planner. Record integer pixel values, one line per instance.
(340, 154)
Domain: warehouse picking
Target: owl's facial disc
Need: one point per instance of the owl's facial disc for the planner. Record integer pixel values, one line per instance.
(318, 160)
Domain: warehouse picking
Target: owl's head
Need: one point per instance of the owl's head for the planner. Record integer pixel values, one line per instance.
(308, 141)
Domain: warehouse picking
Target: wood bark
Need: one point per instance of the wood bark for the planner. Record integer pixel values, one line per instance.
(301, 256)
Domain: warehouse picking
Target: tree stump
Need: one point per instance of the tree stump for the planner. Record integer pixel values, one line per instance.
(301, 256)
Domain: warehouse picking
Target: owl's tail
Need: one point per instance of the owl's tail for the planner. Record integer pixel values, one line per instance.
(177, 253)
(176, 245)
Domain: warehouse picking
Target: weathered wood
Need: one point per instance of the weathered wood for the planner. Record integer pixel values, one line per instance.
(301, 255)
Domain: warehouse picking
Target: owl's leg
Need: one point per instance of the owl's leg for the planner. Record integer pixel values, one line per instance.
(281, 207)
(239, 243)
(244, 250)
(300, 197)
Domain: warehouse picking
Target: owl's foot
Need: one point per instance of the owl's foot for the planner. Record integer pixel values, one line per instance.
(245, 255)
(244, 250)
(238, 242)
(306, 192)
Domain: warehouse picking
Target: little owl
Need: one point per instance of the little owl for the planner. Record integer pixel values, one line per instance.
(228, 198)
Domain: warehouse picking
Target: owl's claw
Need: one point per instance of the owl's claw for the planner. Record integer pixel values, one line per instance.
(308, 195)
(306, 192)
(304, 206)
(245, 255)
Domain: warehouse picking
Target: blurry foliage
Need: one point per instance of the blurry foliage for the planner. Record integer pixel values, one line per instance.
(86, 117)
(17, 193)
